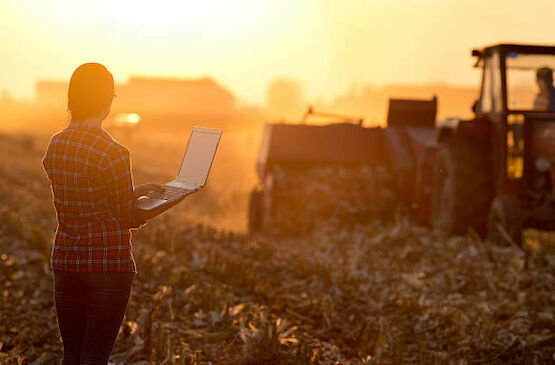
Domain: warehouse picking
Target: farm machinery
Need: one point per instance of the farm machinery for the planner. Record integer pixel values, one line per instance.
(492, 173)
(306, 170)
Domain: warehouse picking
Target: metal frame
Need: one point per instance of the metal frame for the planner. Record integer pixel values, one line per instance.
(507, 185)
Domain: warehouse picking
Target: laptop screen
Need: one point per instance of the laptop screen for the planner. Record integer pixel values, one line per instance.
(199, 155)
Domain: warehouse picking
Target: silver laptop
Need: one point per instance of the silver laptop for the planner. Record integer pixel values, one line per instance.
(193, 170)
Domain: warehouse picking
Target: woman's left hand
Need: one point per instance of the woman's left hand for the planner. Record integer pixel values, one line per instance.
(145, 188)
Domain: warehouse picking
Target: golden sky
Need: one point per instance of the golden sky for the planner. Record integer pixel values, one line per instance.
(328, 45)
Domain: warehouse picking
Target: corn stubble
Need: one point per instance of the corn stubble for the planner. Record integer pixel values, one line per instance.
(338, 294)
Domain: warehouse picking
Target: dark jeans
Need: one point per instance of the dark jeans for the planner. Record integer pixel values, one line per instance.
(90, 308)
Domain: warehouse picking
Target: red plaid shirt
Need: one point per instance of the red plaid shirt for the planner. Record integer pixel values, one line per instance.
(92, 186)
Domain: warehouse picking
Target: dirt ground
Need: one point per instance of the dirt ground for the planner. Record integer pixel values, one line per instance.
(358, 293)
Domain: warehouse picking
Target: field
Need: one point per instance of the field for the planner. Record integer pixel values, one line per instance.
(357, 293)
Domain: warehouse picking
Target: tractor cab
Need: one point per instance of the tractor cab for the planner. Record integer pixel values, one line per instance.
(512, 139)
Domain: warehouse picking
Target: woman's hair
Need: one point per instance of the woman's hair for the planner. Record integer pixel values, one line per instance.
(91, 90)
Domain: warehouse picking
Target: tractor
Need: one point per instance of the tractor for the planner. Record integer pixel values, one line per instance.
(492, 173)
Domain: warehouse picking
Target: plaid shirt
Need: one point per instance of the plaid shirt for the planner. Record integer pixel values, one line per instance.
(92, 186)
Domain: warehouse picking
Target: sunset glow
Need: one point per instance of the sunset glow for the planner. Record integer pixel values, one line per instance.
(315, 182)
(329, 46)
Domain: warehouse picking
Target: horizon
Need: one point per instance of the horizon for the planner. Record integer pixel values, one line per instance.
(353, 89)
(283, 100)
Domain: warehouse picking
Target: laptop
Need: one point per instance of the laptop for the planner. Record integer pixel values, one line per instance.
(193, 171)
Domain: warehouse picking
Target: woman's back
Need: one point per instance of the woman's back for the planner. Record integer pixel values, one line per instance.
(93, 198)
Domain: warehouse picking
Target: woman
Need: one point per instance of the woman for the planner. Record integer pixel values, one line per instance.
(94, 198)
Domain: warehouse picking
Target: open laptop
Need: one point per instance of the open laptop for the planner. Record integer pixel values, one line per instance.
(192, 173)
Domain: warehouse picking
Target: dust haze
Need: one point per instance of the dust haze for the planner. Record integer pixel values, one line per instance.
(167, 108)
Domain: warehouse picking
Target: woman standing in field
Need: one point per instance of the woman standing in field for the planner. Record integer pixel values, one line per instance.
(94, 198)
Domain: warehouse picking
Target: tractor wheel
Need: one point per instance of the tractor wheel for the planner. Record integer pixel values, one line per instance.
(505, 221)
(256, 210)
(462, 190)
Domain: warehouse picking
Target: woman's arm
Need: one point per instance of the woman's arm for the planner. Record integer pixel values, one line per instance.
(119, 185)
(144, 189)
(122, 195)
(149, 214)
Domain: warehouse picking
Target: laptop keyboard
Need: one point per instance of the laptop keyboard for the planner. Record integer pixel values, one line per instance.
(169, 193)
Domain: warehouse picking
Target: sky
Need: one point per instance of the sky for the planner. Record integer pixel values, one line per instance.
(329, 46)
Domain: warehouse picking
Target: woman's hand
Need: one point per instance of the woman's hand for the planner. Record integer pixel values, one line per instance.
(144, 189)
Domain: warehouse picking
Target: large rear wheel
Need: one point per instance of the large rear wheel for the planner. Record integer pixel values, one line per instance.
(463, 186)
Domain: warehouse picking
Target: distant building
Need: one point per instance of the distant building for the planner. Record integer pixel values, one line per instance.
(191, 96)
(153, 95)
